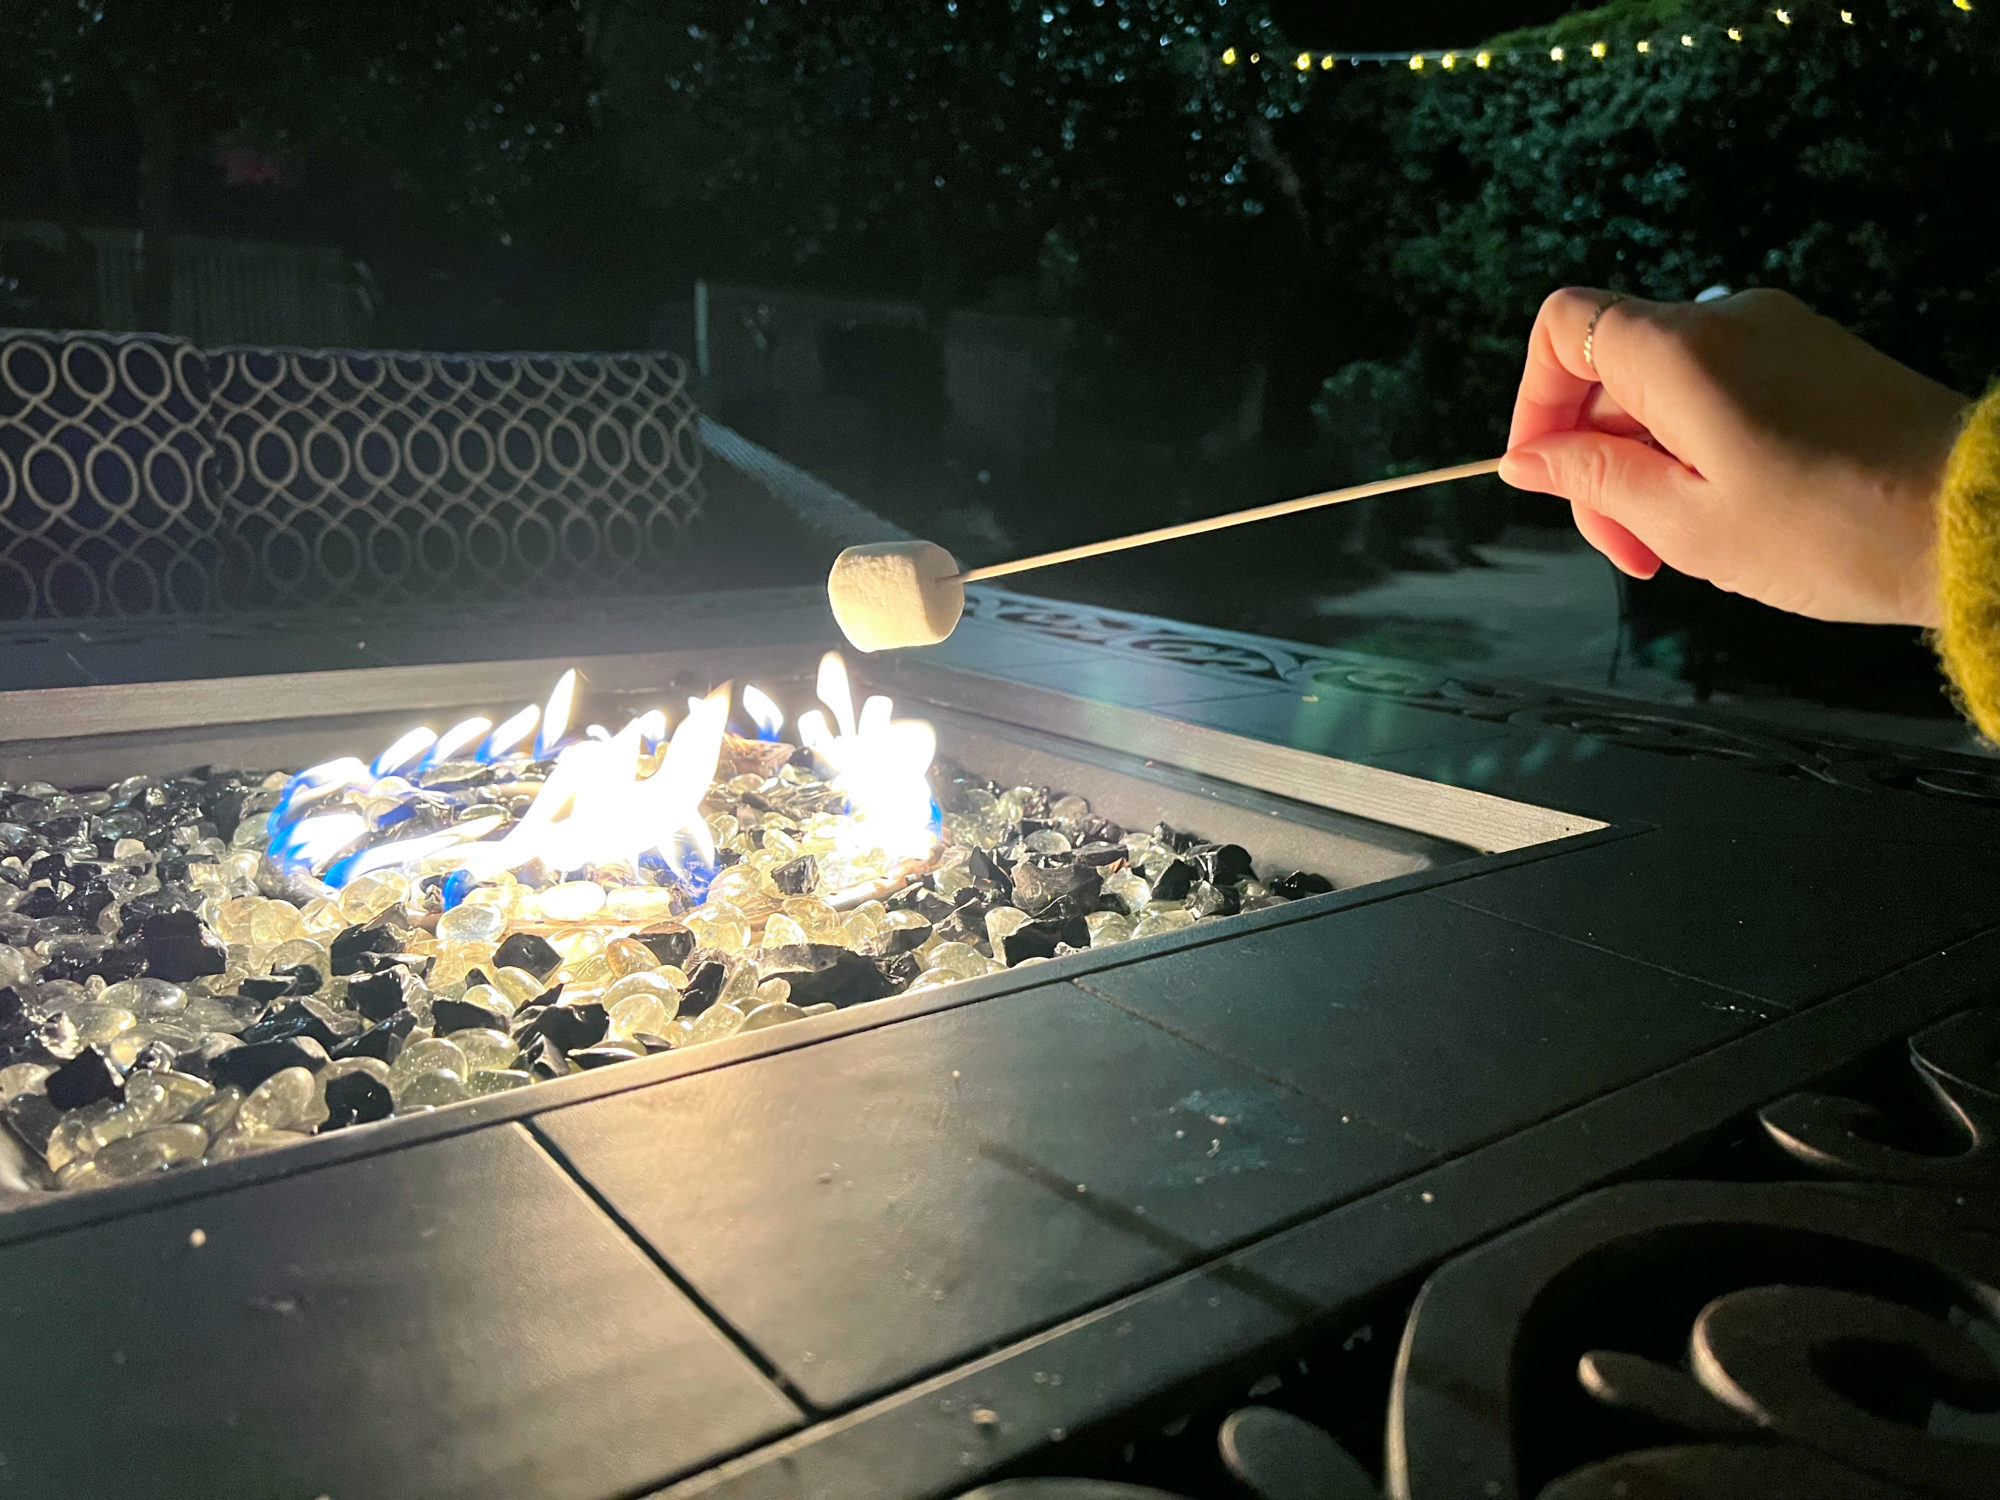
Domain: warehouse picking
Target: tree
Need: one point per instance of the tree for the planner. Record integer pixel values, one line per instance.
(1844, 161)
(943, 144)
(464, 110)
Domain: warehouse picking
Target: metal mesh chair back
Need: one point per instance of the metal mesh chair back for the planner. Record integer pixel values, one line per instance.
(422, 477)
(107, 501)
(139, 475)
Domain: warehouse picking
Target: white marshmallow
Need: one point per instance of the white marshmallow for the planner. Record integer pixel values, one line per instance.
(895, 594)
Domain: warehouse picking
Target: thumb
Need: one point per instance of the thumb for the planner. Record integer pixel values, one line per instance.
(1647, 493)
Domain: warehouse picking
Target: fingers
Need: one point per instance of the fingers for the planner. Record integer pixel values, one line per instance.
(1646, 500)
(1556, 383)
(1602, 414)
(1559, 391)
(1626, 552)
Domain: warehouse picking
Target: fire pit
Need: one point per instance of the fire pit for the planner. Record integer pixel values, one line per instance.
(219, 962)
(1035, 1221)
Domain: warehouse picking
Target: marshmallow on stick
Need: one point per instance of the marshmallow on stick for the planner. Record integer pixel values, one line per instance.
(912, 593)
(896, 594)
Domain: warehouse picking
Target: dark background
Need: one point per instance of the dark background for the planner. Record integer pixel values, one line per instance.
(1393, 28)
(1233, 282)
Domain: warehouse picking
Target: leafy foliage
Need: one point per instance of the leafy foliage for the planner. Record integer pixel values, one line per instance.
(857, 140)
(1852, 164)
(467, 110)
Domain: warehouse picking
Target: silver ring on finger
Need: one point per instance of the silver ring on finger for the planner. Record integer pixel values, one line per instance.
(1590, 329)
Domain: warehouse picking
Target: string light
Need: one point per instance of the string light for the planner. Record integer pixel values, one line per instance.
(1418, 62)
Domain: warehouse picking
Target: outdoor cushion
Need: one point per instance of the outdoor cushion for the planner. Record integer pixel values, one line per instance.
(107, 503)
(140, 475)
(371, 476)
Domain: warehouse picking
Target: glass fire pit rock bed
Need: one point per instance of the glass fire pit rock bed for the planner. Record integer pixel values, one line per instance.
(202, 966)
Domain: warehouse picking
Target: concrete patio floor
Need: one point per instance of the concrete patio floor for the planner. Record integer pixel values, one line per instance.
(1549, 612)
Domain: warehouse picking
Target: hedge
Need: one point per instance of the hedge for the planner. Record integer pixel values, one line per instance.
(1851, 162)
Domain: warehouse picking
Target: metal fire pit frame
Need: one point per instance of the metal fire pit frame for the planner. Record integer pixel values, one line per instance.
(99, 734)
(93, 736)
(959, 1234)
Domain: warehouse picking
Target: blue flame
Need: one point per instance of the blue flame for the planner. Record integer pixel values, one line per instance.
(555, 716)
(691, 866)
(398, 756)
(763, 712)
(275, 822)
(290, 806)
(402, 812)
(309, 839)
(505, 742)
(456, 741)
(284, 854)
(307, 788)
(341, 870)
(456, 886)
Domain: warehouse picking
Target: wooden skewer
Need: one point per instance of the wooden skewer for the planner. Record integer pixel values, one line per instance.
(1234, 518)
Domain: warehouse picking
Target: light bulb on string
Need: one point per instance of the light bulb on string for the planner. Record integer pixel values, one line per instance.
(1418, 62)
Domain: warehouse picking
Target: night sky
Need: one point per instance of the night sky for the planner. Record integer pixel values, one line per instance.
(1354, 27)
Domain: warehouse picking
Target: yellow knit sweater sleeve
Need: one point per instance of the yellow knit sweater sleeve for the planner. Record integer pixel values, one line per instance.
(1969, 566)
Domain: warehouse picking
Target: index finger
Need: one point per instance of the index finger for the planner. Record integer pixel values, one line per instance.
(1556, 385)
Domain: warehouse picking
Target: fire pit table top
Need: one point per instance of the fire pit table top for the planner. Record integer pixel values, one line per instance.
(896, 1249)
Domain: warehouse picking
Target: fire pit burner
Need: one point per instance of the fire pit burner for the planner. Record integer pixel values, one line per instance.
(202, 966)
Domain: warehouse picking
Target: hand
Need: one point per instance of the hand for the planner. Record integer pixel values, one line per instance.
(1745, 441)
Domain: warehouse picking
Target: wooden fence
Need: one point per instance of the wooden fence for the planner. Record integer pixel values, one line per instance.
(224, 291)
